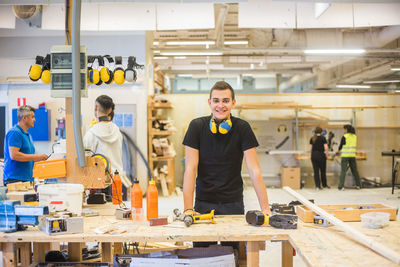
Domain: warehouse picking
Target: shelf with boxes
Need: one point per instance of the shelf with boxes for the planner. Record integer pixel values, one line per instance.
(161, 150)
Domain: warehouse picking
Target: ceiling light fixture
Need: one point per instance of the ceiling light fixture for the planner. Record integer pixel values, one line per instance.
(334, 51)
(190, 43)
(160, 57)
(181, 57)
(185, 75)
(353, 86)
(382, 81)
(236, 42)
(191, 53)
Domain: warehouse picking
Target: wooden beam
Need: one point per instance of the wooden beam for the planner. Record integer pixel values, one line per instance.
(287, 254)
(253, 253)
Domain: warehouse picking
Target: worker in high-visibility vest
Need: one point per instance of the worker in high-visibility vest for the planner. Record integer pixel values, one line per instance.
(347, 148)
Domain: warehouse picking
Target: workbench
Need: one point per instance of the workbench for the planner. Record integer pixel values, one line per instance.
(317, 246)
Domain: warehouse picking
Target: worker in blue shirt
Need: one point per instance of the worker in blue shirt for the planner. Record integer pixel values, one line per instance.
(19, 152)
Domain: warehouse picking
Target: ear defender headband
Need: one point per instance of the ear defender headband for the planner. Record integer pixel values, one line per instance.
(106, 75)
(223, 128)
(35, 71)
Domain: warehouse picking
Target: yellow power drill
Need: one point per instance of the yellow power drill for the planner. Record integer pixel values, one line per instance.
(281, 221)
(189, 219)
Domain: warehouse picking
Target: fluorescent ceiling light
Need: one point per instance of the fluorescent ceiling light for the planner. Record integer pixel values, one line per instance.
(181, 57)
(160, 57)
(156, 43)
(352, 86)
(334, 51)
(247, 75)
(190, 43)
(191, 53)
(185, 75)
(382, 81)
(236, 42)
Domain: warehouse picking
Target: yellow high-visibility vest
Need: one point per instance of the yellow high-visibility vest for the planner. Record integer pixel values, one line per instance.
(349, 149)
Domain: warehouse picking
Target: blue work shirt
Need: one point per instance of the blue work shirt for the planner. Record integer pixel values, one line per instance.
(19, 170)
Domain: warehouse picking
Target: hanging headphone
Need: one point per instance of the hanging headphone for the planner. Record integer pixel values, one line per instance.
(93, 73)
(119, 73)
(130, 73)
(35, 71)
(46, 76)
(106, 75)
(223, 128)
(100, 61)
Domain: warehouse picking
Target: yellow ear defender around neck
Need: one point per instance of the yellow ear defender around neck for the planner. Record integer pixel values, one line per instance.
(35, 71)
(46, 76)
(119, 73)
(223, 128)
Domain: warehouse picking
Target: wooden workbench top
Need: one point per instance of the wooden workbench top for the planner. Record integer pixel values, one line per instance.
(226, 228)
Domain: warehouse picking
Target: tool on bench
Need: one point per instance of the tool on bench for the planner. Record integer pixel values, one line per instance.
(189, 219)
(14, 217)
(281, 221)
(321, 221)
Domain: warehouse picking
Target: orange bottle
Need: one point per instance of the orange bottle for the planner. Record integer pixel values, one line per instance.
(116, 189)
(136, 195)
(152, 200)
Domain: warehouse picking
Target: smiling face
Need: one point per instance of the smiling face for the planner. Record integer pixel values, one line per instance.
(221, 104)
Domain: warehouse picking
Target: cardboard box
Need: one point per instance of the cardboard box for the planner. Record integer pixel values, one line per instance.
(346, 212)
(290, 176)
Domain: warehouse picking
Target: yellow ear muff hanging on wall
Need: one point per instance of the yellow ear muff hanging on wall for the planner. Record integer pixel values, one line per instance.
(106, 75)
(119, 73)
(46, 76)
(35, 71)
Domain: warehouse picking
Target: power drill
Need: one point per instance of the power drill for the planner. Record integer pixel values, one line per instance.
(189, 219)
(255, 217)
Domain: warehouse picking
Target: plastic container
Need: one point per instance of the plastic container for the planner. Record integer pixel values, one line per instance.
(60, 197)
(152, 200)
(375, 220)
(116, 189)
(136, 201)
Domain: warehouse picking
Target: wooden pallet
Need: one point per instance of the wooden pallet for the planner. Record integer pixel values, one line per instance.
(346, 213)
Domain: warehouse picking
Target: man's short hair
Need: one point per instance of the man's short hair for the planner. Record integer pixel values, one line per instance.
(221, 85)
(24, 111)
(105, 104)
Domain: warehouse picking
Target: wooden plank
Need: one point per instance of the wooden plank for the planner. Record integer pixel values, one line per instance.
(9, 255)
(106, 254)
(75, 251)
(171, 176)
(287, 254)
(346, 213)
(25, 253)
(118, 248)
(253, 254)
(39, 251)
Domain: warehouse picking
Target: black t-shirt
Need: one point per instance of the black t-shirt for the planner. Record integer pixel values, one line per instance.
(220, 158)
(318, 145)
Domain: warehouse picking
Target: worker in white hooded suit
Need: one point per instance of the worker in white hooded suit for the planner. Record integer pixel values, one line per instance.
(104, 136)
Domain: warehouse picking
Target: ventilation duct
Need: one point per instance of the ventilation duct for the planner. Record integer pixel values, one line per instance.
(30, 14)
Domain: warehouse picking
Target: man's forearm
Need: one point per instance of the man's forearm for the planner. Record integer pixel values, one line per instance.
(19, 156)
(260, 189)
(188, 189)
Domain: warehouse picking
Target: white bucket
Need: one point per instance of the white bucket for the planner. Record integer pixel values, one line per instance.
(60, 197)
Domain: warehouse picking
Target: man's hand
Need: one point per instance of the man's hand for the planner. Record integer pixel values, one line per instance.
(40, 157)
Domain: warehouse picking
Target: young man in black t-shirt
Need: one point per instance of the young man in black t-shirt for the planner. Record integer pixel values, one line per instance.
(215, 146)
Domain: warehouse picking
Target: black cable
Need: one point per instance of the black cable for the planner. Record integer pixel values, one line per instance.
(130, 141)
(67, 21)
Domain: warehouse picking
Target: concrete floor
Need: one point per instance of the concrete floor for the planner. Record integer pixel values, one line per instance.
(272, 255)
